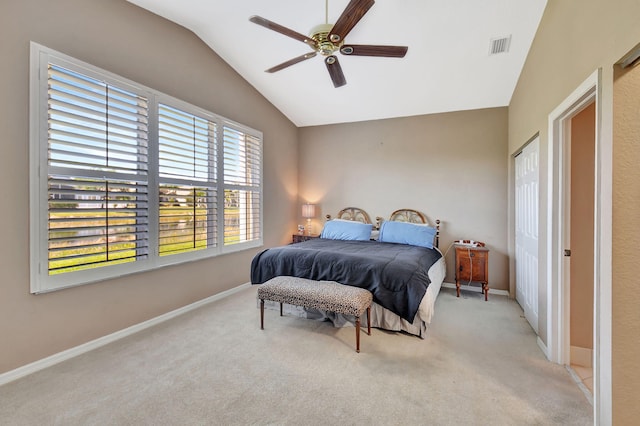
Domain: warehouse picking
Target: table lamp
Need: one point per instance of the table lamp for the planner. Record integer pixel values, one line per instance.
(308, 211)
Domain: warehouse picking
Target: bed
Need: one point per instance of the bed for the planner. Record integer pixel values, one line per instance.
(405, 279)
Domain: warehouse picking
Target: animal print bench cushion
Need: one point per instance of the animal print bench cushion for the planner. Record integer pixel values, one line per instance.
(324, 295)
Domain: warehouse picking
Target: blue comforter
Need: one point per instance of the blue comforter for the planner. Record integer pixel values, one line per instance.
(396, 274)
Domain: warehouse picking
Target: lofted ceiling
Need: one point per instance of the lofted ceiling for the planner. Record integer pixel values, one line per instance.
(447, 67)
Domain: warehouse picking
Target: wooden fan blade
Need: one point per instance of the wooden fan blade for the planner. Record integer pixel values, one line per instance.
(292, 61)
(335, 71)
(282, 30)
(373, 50)
(354, 11)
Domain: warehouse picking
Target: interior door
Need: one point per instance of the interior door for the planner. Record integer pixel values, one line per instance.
(527, 168)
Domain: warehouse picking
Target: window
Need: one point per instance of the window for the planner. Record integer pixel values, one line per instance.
(96, 173)
(241, 187)
(126, 179)
(187, 182)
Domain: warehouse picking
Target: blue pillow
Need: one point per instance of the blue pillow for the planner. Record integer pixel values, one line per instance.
(346, 230)
(407, 233)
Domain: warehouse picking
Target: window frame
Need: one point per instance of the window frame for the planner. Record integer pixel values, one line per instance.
(40, 279)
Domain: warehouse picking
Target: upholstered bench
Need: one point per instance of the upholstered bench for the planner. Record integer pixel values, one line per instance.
(325, 295)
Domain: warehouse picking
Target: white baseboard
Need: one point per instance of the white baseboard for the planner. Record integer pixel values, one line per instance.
(477, 289)
(578, 381)
(581, 356)
(543, 347)
(35, 366)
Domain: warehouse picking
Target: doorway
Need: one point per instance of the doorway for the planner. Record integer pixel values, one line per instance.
(559, 223)
(579, 245)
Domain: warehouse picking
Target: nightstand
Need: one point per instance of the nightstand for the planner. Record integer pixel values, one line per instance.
(472, 265)
(297, 238)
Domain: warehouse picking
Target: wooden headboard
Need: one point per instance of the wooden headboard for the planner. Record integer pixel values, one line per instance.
(412, 216)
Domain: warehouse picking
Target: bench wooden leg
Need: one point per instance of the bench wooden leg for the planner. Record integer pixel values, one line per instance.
(358, 334)
(369, 320)
(261, 314)
(280, 309)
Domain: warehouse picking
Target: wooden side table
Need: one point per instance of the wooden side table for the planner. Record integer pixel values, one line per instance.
(472, 265)
(297, 238)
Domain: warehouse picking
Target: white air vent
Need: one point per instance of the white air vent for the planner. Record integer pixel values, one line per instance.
(499, 45)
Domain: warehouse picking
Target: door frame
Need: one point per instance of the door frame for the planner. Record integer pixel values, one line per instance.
(558, 343)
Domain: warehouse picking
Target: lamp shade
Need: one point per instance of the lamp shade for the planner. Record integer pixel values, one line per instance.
(308, 210)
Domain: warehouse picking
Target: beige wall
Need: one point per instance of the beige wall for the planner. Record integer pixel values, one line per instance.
(583, 133)
(449, 166)
(626, 232)
(126, 40)
(568, 48)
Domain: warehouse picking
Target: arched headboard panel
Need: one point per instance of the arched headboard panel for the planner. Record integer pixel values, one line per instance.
(351, 213)
(409, 215)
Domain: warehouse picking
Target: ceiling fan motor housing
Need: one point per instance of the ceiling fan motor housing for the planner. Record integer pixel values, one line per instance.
(320, 33)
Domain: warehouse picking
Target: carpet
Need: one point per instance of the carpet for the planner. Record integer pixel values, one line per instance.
(479, 365)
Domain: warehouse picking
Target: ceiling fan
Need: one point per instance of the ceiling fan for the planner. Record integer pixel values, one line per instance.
(327, 39)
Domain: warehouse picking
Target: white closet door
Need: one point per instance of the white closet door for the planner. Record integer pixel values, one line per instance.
(526, 213)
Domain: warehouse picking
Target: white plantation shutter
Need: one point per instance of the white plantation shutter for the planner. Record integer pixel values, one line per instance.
(97, 173)
(187, 153)
(242, 186)
(126, 179)
(95, 126)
